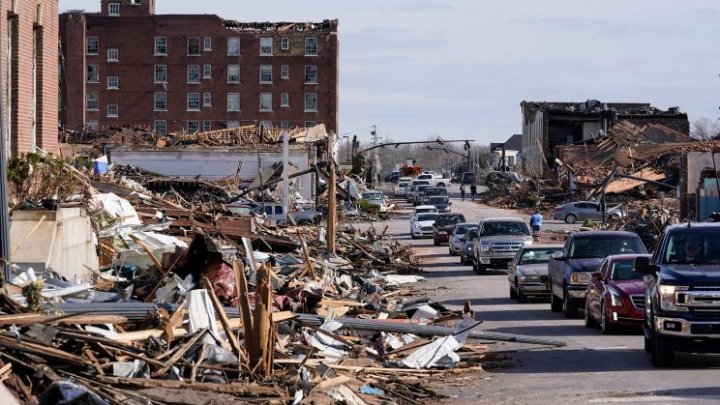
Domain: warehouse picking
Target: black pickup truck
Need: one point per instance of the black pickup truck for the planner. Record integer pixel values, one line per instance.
(682, 293)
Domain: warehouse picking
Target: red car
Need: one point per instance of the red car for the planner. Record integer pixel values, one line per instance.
(616, 294)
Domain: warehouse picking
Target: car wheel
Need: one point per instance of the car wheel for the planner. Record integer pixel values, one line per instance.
(413, 236)
(440, 185)
(589, 320)
(436, 242)
(663, 354)
(556, 304)
(605, 325)
(521, 297)
(570, 219)
(513, 294)
(569, 307)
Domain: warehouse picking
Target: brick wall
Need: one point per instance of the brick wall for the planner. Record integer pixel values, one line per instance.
(134, 37)
(30, 97)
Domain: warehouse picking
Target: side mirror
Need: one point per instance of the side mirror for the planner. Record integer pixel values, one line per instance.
(558, 256)
(643, 266)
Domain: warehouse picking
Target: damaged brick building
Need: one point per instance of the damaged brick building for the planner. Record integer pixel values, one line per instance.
(548, 125)
(127, 66)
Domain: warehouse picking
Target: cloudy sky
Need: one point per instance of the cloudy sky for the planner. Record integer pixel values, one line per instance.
(459, 69)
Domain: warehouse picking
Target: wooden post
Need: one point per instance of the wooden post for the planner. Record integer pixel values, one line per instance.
(332, 196)
(244, 306)
(263, 330)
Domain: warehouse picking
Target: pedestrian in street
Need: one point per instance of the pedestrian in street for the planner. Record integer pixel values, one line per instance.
(462, 192)
(473, 191)
(536, 220)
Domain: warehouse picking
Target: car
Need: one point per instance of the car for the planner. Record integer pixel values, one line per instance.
(499, 239)
(401, 188)
(456, 241)
(467, 254)
(422, 209)
(615, 295)
(422, 224)
(412, 189)
(444, 225)
(437, 196)
(584, 210)
(419, 194)
(274, 211)
(468, 178)
(570, 270)
(528, 272)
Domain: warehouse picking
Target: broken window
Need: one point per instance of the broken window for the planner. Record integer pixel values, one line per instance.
(160, 101)
(92, 101)
(233, 102)
(93, 73)
(161, 73)
(265, 102)
(112, 110)
(160, 45)
(310, 102)
(233, 46)
(311, 74)
(193, 101)
(265, 73)
(233, 74)
(193, 46)
(311, 46)
(193, 74)
(93, 46)
(266, 46)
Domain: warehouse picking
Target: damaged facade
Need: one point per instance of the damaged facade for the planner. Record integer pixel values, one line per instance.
(170, 73)
(548, 125)
(29, 70)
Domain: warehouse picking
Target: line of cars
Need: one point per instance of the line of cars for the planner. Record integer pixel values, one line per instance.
(425, 189)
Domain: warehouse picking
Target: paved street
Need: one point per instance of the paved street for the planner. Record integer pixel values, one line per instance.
(592, 368)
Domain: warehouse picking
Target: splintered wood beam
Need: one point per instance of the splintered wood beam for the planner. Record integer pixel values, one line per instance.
(231, 388)
(244, 306)
(234, 343)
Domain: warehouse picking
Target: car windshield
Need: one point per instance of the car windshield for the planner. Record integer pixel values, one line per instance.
(624, 270)
(504, 228)
(373, 196)
(403, 184)
(427, 217)
(693, 246)
(601, 246)
(422, 188)
(537, 256)
(461, 229)
(436, 191)
(449, 219)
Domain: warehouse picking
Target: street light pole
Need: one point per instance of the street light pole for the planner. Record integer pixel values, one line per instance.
(4, 216)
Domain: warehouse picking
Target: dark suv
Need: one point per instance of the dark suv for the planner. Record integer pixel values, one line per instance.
(570, 270)
(682, 292)
(444, 225)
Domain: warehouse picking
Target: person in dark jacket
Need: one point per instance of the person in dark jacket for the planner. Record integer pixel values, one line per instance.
(473, 191)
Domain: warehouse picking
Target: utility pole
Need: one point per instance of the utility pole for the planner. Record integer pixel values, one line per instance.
(332, 196)
(4, 216)
(286, 174)
(373, 175)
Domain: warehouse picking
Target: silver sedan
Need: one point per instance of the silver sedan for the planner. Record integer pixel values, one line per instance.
(456, 241)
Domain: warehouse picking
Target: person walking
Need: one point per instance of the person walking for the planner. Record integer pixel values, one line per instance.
(536, 220)
(462, 192)
(473, 191)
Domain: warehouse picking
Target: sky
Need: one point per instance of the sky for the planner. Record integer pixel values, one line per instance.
(460, 69)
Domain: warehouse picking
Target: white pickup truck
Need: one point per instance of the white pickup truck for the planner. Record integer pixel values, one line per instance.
(433, 180)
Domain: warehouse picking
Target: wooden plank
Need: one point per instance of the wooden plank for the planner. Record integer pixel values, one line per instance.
(244, 305)
(234, 343)
(76, 319)
(43, 351)
(229, 388)
(181, 352)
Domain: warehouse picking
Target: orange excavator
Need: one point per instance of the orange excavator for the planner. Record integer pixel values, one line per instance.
(410, 171)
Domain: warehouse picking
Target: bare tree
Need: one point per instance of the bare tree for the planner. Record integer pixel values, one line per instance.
(705, 128)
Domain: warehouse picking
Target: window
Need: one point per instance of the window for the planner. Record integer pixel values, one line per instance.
(266, 46)
(92, 103)
(284, 72)
(93, 46)
(92, 125)
(284, 124)
(114, 9)
(161, 73)
(193, 101)
(160, 45)
(160, 127)
(193, 126)
(112, 110)
(193, 74)
(207, 71)
(310, 102)
(207, 99)
(193, 46)
(233, 124)
(113, 82)
(113, 55)
(207, 126)
(93, 73)
(207, 44)
(233, 101)
(284, 43)
(311, 46)
(160, 101)
(233, 46)
(265, 73)
(266, 102)
(266, 124)
(311, 74)
(310, 124)
(284, 100)
(233, 74)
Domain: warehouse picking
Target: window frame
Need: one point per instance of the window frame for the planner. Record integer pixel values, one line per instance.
(96, 101)
(231, 96)
(206, 126)
(162, 132)
(207, 99)
(269, 105)
(198, 44)
(187, 104)
(158, 45)
(285, 72)
(94, 69)
(284, 43)
(264, 69)
(265, 39)
(199, 74)
(116, 80)
(315, 96)
(232, 124)
(284, 99)
(308, 70)
(207, 44)
(157, 98)
(187, 126)
(92, 125)
(96, 47)
(309, 40)
(108, 109)
(110, 52)
(115, 13)
(228, 78)
(232, 40)
(164, 70)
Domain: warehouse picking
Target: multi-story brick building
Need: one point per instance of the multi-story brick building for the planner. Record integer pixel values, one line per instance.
(127, 66)
(29, 69)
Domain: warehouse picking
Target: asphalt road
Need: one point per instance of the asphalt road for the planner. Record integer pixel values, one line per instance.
(592, 368)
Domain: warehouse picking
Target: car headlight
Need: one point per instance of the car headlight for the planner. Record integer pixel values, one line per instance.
(528, 277)
(441, 233)
(426, 200)
(615, 298)
(485, 246)
(579, 278)
(669, 297)
(527, 243)
(416, 225)
(468, 248)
